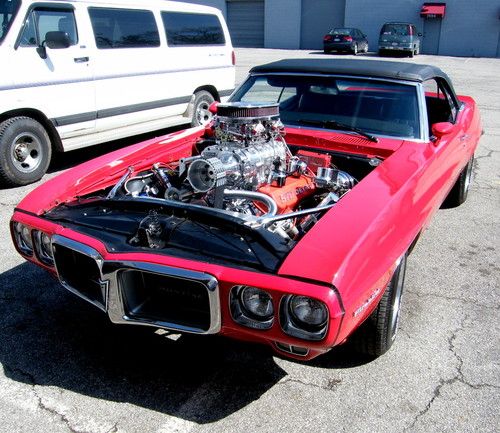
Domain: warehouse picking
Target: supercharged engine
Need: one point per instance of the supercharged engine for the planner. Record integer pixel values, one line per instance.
(245, 169)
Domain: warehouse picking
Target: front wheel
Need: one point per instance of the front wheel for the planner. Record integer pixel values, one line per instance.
(25, 151)
(201, 105)
(376, 335)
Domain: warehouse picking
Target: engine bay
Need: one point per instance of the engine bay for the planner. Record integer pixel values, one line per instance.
(246, 169)
(243, 194)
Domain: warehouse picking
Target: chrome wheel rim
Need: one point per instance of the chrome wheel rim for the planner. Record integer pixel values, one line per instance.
(355, 49)
(26, 152)
(203, 114)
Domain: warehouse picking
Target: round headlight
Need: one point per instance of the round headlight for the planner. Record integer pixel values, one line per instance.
(257, 302)
(308, 311)
(45, 244)
(24, 236)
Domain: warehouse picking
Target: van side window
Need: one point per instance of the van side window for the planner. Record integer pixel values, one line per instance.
(124, 28)
(192, 29)
(43, 20)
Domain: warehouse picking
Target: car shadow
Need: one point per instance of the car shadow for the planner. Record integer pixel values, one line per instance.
(49, 337)
(64, 160)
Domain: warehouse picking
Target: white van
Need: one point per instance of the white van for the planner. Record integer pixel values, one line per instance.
(78, 73)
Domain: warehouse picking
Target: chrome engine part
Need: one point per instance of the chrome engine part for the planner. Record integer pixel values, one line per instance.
(250, 149)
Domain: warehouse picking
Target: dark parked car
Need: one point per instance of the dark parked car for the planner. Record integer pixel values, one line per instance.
(345, 39)
(401, 37)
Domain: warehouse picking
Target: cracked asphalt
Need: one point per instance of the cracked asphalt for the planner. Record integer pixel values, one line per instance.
(65, 368)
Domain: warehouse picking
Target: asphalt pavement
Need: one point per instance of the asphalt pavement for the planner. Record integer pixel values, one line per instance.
(64, 367)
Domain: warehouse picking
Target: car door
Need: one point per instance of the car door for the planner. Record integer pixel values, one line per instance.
(61, 84)
(449, 152)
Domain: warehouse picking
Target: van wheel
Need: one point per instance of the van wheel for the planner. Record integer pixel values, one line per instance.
(376, 335)
(201, 105)
(25, 151)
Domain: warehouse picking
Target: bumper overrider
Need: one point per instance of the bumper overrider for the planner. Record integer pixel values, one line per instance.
(300, 319)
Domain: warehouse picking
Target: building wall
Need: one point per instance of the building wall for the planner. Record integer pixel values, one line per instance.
(470, 27)
(282, 23)
(318, 18)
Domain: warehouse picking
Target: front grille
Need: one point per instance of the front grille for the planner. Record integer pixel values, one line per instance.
(141, 293)
(79, 273)
(165, 300)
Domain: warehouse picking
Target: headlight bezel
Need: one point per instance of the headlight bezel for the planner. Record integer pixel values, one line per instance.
(293, 326)
(242, 315)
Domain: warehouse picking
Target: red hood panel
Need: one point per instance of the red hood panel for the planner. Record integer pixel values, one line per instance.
(107, 169)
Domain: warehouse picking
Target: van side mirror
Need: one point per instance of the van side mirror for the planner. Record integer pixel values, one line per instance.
(442, 128)
(57, 40)
(53, 40)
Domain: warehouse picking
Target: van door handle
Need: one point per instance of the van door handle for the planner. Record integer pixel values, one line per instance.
(81, 59)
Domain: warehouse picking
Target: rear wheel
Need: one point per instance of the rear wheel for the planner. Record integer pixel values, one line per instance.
(377, 334)
(201, 105)
(458, 194)
(25, 151)
(355, 49)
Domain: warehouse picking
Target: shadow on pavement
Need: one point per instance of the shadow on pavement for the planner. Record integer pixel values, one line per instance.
(50, 337)
(65, 160)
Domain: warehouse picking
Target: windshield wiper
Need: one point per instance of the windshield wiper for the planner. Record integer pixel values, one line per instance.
(340, 126)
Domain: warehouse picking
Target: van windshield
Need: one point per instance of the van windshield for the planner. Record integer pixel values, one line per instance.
(8, 11)
(396, 29)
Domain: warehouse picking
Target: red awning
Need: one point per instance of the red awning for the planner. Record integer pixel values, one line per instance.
(433, 10)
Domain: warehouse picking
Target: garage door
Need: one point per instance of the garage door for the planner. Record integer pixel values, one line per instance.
(246, 23)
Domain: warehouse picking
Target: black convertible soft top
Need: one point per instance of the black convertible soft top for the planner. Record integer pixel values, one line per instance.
(365, 68)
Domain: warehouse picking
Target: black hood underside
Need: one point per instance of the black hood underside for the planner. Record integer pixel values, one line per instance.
(197, 234)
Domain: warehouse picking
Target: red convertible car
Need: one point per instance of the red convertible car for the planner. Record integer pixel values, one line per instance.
(287, 220)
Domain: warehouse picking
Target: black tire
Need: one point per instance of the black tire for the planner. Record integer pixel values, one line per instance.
(25, 151)
(381, 53)
(326, 51)
(458, 194)
(377, 334)
(202, 101)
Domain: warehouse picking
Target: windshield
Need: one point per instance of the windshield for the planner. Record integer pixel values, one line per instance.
(8, 11)
(376, 107)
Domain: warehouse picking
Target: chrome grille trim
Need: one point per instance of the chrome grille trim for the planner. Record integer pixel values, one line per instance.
(114, 304)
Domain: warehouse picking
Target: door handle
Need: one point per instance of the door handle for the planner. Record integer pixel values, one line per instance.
(81, 59)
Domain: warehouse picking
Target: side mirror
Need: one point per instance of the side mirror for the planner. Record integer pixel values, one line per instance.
(53, 40)
(442, 128)
(57, 40)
